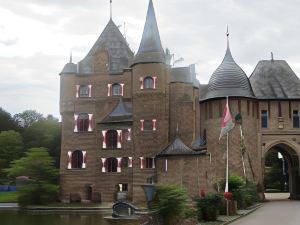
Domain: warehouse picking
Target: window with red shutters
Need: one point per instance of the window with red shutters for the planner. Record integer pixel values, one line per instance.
(77, 159)
(111, 165)
(112, 139)
(83, 122)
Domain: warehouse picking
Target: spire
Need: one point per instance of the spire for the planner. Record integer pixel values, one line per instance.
(151, 38)
(227, 34)
(228, 56)
(111, 9)
(228, 79)
(71, 57)
(150, 49)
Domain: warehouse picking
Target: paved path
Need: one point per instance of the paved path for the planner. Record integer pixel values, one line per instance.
(273, 213)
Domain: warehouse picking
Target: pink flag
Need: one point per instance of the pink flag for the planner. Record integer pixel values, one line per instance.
(227, 123)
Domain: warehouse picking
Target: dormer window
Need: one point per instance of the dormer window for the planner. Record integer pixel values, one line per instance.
(115, 89)
(83, 91)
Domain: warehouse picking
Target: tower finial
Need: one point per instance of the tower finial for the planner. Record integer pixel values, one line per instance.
(71, 56)
(110, 9)
(177, 129)
(272, 56)
(227, 34)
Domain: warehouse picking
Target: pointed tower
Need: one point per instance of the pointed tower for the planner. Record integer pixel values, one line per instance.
(150, 79)
(229, 80)
(150, 50)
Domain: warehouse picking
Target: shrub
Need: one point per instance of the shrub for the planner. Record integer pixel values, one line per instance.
(208, 207)
(169, 202)
(245, 193)
(234, 182)
(190, 212)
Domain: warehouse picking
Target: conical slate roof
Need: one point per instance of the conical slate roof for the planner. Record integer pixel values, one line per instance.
(274, 79)
(113, 41)
(200, 143)
(177, 147)
(228, 80)
(150, 49)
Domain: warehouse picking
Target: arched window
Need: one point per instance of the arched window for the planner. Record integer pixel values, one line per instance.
(111, 165)
(112, 139)
(77, 159)
(148, 83)
(83, 122)
(116, 89)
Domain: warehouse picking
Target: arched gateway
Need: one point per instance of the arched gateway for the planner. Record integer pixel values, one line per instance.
(290, 152)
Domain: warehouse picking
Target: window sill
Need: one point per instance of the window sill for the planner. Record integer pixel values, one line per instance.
(83, 132)
(112, 149)
(76, 169)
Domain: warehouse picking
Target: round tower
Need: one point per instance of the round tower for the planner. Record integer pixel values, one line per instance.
(150, 94)
(229, 80)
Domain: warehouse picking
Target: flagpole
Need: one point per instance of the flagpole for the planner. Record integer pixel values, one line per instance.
(242, 139)
(227, 168)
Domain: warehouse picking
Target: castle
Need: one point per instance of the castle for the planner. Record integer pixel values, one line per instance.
(133, 119)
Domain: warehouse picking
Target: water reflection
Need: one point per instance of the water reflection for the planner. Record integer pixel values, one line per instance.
(52, 218)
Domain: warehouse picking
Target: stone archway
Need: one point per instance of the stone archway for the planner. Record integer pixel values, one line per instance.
(290, 152)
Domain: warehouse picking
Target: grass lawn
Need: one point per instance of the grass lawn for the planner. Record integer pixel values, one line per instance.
(7, 197)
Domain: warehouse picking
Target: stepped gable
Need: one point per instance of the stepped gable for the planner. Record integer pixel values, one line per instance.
(274, 79)
(113, 41)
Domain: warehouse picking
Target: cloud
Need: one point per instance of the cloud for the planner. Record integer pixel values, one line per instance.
(38, 35)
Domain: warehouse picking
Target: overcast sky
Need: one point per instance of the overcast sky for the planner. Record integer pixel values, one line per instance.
(36, 37)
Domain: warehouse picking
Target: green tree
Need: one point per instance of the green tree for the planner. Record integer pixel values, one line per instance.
(27, 118)
(11, 148)
(274, 177)
(38, 165)
(45, 133)
(6, 121)
(170, 202)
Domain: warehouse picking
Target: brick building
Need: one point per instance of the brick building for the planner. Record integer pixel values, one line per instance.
(133, 119)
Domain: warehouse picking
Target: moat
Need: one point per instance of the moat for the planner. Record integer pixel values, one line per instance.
(8, 217)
